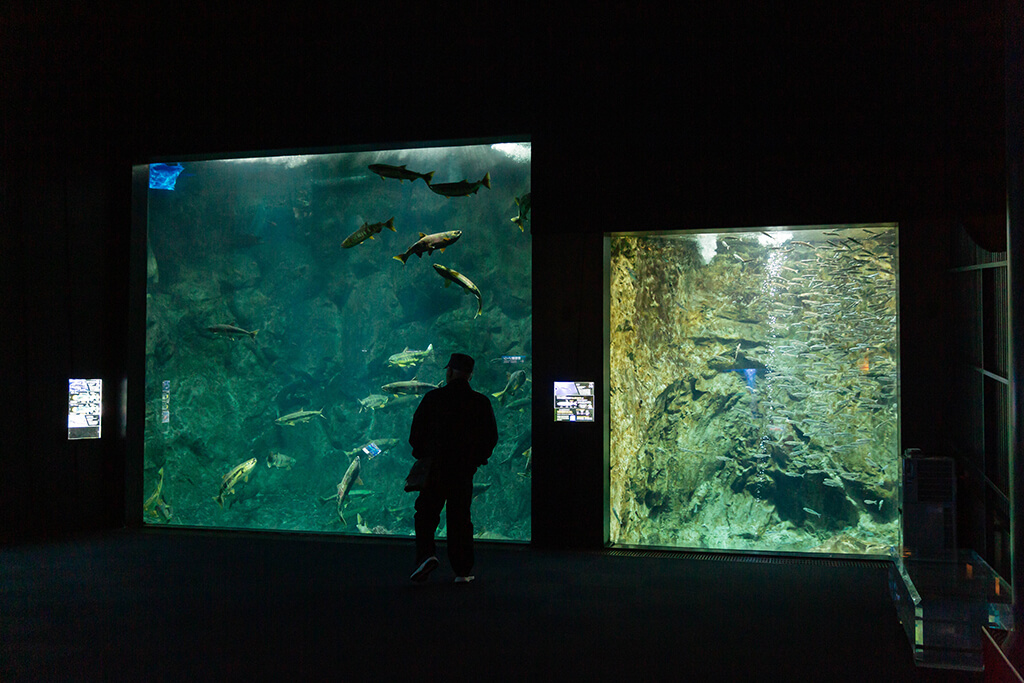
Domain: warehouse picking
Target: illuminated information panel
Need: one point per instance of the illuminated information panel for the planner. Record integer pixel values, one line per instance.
(574, 401)
(85, 407)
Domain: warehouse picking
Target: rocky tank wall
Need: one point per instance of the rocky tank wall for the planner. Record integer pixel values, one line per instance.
(755, 390)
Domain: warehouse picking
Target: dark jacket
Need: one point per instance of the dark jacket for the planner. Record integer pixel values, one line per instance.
(456, 426)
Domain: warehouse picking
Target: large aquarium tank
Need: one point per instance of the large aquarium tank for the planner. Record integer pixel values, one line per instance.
(754, 389)
(297, 309)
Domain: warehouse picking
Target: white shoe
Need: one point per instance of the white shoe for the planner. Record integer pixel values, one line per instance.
(464, 579)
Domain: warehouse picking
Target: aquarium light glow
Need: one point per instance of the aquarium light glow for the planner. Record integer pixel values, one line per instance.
(773, 237)
(516, 150)
(287, 160)
(164, 176)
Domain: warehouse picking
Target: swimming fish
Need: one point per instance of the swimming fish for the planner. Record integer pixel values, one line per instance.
(153, 502)
(152, 271)
(407, 357)
(400, 173)
(462, 188)
(367, 231)
(164, 508)
(462, 281)
(372, 402)
(351, 475)
(411, 386)
(428, 243)
(237, 473)
(524, 211)
(232, 331)
(280, 460)
(515, 381)
(520, 403)
(299, 416)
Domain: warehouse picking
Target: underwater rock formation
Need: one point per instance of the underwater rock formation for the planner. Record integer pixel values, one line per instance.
(754, 390)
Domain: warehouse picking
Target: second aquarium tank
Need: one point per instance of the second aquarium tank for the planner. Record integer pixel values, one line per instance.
(297, 309)
(754, 389)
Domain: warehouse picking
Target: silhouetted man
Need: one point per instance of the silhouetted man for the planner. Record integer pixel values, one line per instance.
(455, 426)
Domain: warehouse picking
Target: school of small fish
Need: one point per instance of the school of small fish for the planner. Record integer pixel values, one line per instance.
(809, 325)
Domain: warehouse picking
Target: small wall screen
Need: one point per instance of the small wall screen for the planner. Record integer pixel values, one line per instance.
(574, 401)
(85, 408)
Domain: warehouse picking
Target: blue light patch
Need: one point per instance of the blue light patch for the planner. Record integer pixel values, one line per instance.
(164, 176)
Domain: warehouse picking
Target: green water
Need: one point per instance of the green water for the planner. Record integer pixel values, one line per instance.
(754, 390)
(257, 244)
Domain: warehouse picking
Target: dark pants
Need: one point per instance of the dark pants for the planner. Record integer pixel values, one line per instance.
(455, 489)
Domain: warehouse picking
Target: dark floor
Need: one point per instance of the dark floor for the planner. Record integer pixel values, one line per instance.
(161, 605)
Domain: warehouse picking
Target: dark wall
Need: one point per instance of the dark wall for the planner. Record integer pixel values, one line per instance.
(643, 118)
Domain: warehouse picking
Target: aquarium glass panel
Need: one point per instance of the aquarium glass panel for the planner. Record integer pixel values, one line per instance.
(297, 309)
(754, 389)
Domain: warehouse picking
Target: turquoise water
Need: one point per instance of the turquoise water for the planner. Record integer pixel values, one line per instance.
(255, 311)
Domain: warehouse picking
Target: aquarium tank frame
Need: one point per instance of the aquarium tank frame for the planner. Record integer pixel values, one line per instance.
(224, 228)
(871, 255)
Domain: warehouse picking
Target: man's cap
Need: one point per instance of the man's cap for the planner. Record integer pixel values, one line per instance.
(461, 362)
